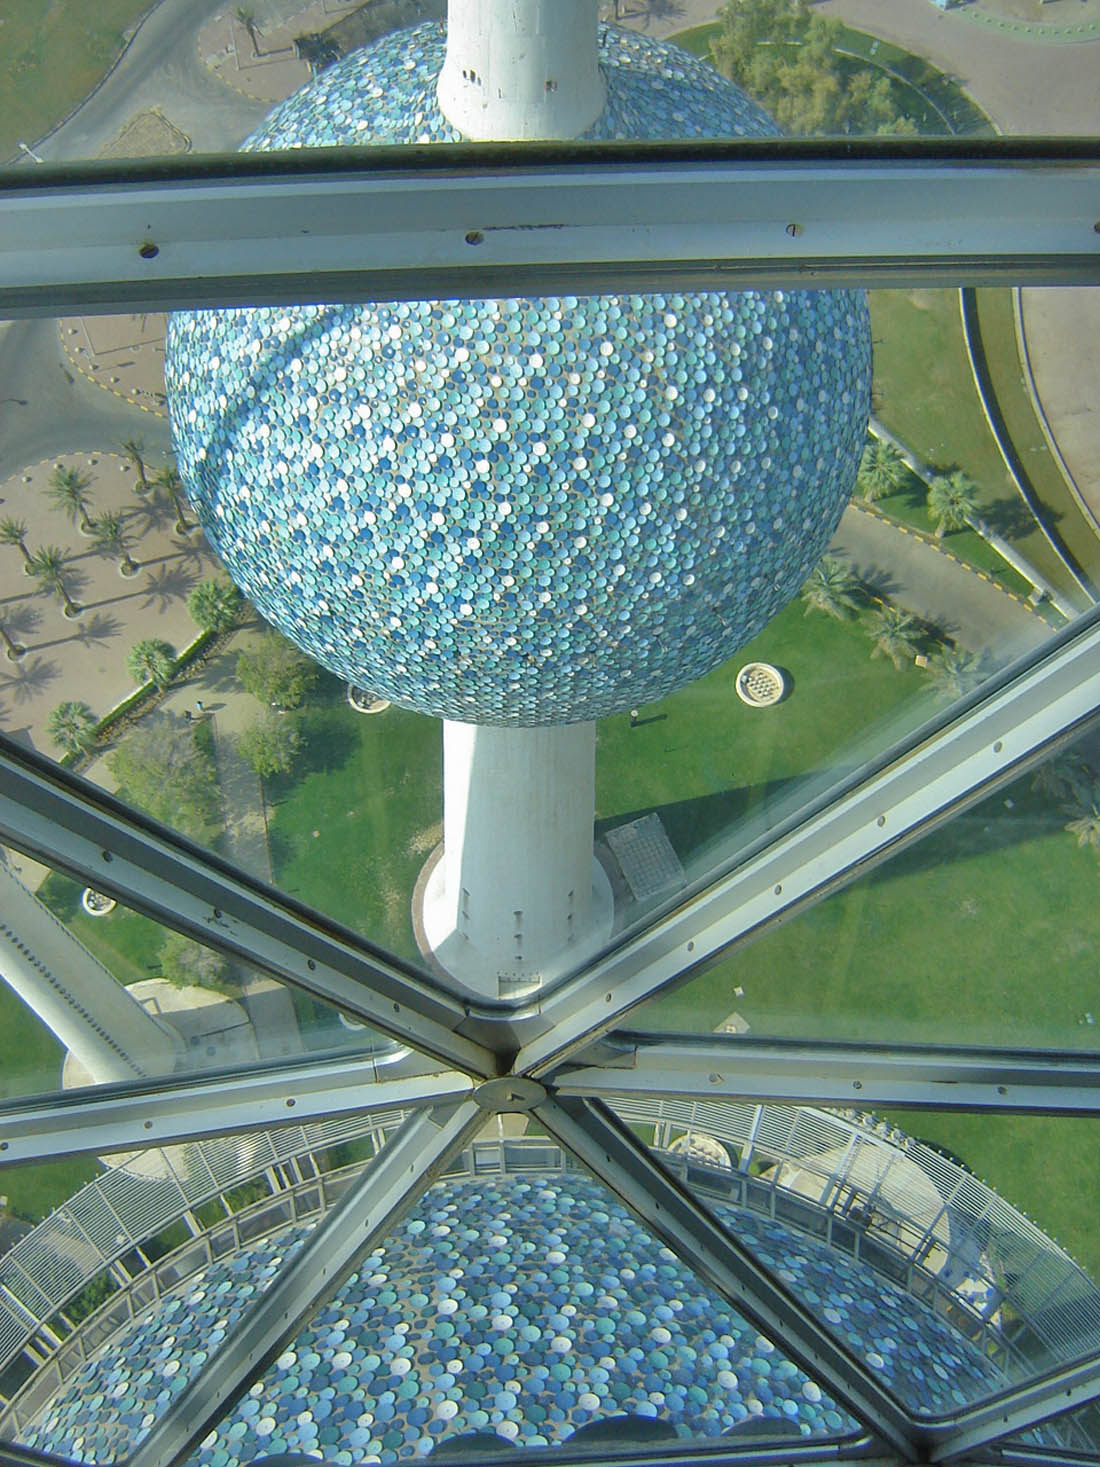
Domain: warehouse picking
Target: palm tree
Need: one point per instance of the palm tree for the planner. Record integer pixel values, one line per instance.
(151, 660)
(169, 480)
(952, 501)
(1086, 824)
(110, 535)
(12, 650)
(48, 564)
(956, 670)
(215, 605)
(68, 488)
(14, 532)
(134, 450)
(881, 470)
(246, 16)
(1066, 778)
(72, 727)
(832, 588)
(894, 633)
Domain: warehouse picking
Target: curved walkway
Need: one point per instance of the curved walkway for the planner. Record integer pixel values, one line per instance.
(1025, 86)
(1062, 333)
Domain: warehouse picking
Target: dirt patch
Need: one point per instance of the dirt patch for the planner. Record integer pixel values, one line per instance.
(426, 840)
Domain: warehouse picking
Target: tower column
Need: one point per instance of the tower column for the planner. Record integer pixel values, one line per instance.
(521, 69)
(73, 994)
(517, 896)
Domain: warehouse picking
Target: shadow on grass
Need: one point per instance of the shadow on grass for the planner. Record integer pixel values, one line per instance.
(694, 824)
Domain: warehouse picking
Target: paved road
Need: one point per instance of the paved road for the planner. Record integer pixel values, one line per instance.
(161, 68)
(64, 412)
(1026, 86)
(1063, 337)
(918, 576)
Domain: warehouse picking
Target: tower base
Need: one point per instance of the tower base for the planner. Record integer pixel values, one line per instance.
(516, 898)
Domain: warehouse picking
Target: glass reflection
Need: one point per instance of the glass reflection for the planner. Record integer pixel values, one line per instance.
(981, 932)
(839, 71)
(92, 993)
(938, 1281)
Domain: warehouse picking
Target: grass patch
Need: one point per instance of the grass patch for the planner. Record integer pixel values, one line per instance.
(35, 1191)
(984, 932)
(53, 55)
(929, 99)
(708, 763)
(371, 789)
(126, 943)
(924, 393)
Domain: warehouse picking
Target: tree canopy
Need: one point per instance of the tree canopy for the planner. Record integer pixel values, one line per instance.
(785, 56)
(71, 726)
(270, 742)
(151, 660)
(215, 605)
(276, 672)
(162, 769)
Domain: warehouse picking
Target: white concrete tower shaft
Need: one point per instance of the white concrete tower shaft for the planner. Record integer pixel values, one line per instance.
(521, 69)
(517, 896)
(73, 994)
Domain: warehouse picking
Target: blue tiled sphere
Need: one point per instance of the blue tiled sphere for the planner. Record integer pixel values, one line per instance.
(521, 511)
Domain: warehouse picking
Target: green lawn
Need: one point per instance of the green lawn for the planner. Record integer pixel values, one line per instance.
(352, 827)
(707, 762)
(924, 393)
(932, 101)
(54, 52)
(985, 932)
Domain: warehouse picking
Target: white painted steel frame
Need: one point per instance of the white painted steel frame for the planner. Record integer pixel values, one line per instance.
(795, 1072)
(67, 244)
(98, 1124)
(412, 1159)
(413, 224)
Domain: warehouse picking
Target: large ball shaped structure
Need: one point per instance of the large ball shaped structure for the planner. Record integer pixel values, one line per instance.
(521, 511)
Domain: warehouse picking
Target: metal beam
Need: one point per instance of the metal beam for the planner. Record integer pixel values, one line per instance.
(628, 1168)
(1016, 1411)
(411, 1160)
(147, 1115)
(68, 824)
(419, 223)
(904, 794)
(740, 1067)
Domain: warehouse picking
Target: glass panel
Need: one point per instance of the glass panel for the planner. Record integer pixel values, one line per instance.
(517, 1304)
(128, 1288)
(934, 1276)
(848, 70)
(916, 950)
(92, 993)
(332, 792)
(1077, 1432)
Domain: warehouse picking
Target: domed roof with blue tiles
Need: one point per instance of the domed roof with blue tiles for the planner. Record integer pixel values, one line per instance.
(521, 511)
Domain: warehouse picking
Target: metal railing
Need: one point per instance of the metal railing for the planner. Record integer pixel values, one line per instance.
(912, 1214)
(119, 1211)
